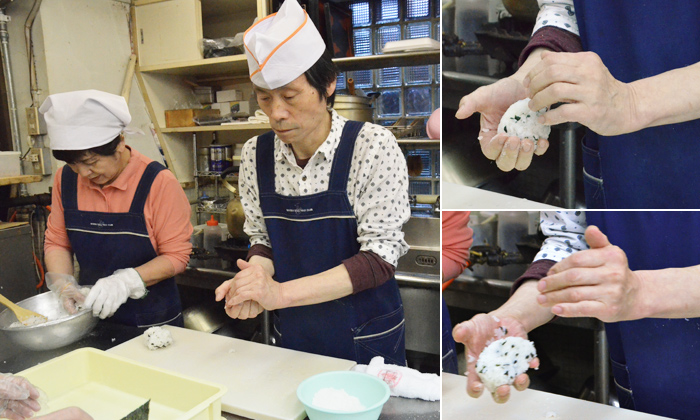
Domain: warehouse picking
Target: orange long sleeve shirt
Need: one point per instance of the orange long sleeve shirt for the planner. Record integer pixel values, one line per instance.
(167, 210)
(456, 241)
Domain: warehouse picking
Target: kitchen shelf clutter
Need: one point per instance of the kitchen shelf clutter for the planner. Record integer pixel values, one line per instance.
(168, 36)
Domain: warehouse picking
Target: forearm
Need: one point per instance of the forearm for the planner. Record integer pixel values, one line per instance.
(156, 270)
(669, 293)
(59, 260)
(668, 98)
(322, 287)
(523, 306)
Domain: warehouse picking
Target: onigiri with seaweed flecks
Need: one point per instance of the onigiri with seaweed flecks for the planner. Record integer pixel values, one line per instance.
(521, 122)
(503, 360)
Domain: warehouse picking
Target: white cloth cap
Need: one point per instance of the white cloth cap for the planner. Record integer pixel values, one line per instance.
(282, 46)
(84, 119)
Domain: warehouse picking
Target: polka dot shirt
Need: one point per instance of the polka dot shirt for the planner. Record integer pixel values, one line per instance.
(564, 231)
(377, 186)
(559, 13)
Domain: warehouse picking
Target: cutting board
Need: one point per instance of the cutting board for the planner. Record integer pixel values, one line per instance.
(525, 405)
(460, 197)
(262, 380)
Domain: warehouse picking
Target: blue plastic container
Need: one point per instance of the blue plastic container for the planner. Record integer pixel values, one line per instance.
(370, 390)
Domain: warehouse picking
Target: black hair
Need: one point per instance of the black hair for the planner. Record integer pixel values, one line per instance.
(321, 75)
(73, 156)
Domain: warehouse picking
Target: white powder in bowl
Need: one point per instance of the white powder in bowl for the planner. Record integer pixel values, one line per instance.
(157, 337)
(503, 360)
(336, 399)
(31, 321)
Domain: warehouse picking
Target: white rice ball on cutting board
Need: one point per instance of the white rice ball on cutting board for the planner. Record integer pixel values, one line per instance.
(503, 360)
(521, 122)
(157, 337)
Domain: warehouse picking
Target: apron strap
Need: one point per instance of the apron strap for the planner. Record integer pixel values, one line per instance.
(69, 189)
(265, 158)
(343, 156)
(144, 187)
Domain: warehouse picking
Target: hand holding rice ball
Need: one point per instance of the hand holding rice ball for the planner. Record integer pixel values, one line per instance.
(493, 102)
(485, 338)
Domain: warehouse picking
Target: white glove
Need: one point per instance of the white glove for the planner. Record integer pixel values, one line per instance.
(109, 293)
(18, 398)
(67, 289)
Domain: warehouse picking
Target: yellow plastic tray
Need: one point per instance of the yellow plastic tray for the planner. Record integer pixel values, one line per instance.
(110, 387)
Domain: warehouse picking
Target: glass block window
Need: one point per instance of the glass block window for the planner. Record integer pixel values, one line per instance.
(409, 91)
(406, 93)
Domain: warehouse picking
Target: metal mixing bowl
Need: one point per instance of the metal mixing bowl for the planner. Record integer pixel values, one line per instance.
(60, 330)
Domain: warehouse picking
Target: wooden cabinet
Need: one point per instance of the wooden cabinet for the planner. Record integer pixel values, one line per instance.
(167, 36)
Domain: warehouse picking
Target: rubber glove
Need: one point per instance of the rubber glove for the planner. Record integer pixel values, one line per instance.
(67, 289)
(109, 293)
(18, 398)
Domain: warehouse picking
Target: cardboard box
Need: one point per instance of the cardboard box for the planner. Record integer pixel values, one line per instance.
(9, 164)
(185, 117)
(229, 95)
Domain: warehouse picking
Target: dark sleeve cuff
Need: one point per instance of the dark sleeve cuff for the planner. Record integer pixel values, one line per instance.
(368, 270)
(553, 38)
(535, 271)
(260, 250)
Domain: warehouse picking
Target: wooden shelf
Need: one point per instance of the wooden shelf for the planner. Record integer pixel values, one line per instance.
(22, 179)
(232, 127)
(237, 64)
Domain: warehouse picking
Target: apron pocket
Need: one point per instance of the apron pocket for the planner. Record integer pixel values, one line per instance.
(595, 194)
(276, 334)
(383, 336)
(593, 178)
(622, 385)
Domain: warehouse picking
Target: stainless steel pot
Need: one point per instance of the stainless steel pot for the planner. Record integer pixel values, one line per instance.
(355, 108)
(61, 329)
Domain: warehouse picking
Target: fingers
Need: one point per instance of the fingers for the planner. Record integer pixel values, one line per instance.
(595, 238)
(522, 382)
(492, 144)
(509, 154)
(502, 394)
(223, 290)
(474, 102)
(527, 149)
(243, 264)
(474, 385)
(589, 308)
(569, 295)
(591, 258)
(541, 147)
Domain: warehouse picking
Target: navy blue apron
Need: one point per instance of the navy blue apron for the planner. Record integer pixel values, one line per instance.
(105, 242)
(314, 233)
(656, 362)
(654, 167)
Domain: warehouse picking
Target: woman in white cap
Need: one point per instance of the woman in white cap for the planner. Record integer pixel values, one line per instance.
(325, 199)
(124, 217)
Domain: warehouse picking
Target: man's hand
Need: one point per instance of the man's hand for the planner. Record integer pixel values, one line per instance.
(593, 283)
(228, 289)
(492, 102)
(479, 332)
(591, 95)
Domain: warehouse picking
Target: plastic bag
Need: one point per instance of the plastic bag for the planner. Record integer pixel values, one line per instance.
(222, 47)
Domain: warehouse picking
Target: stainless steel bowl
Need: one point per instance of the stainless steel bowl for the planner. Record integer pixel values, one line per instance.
(60, 330)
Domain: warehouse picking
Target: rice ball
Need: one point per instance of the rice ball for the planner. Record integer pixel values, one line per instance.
(521, 122)
(503, 360)
(157, 337)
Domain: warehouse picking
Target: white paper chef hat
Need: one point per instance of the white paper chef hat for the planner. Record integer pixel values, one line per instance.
(282, 46)
(84, 119)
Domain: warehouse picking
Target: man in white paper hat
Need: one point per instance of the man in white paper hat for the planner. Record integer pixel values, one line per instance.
(124, 216)
(325, 199)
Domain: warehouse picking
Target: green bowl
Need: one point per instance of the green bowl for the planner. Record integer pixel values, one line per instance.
(370, 390)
